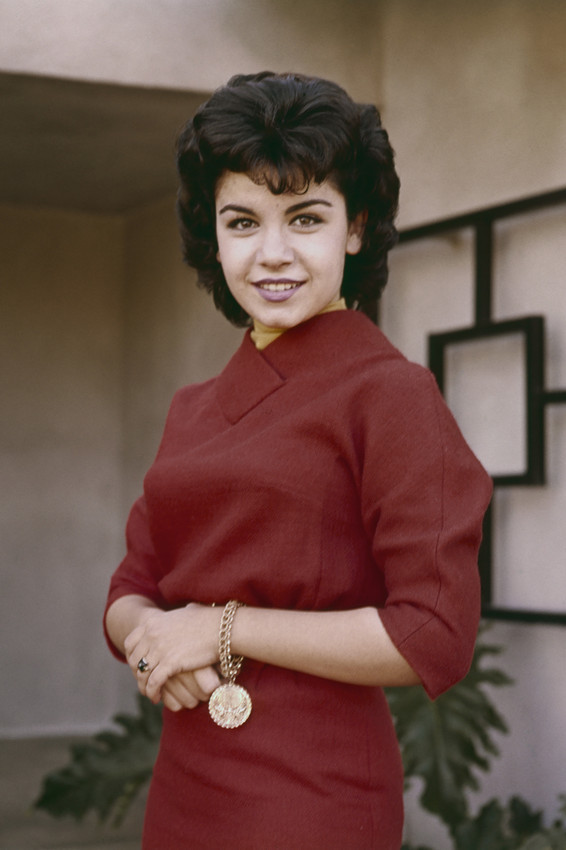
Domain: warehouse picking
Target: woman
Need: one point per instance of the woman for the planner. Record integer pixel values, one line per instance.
(314, 509)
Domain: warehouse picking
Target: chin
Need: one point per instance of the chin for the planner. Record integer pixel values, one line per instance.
(284, 319)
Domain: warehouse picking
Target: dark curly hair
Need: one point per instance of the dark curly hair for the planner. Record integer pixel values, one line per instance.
(286, 131)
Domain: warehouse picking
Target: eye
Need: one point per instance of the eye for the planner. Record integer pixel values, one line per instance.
(241, 224)
(306, 220)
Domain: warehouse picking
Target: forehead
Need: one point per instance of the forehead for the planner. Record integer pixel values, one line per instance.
(243, 189)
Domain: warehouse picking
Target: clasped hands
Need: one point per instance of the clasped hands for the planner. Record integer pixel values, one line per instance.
(181, 649)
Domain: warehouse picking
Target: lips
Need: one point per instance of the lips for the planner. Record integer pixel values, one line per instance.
(277, 290)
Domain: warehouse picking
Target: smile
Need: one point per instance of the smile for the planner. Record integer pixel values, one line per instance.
(277, 290)
(278, 285)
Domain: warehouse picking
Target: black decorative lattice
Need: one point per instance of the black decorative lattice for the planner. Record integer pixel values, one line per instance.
(536, 396)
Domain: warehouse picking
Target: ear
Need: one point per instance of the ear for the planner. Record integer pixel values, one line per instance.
(356, 233)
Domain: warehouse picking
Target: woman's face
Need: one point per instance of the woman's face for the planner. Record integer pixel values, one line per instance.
(283, 255)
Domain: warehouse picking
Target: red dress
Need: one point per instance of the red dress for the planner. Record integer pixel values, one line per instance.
(323, 473)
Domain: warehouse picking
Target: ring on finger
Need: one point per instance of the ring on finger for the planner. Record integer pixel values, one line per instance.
(143, 665)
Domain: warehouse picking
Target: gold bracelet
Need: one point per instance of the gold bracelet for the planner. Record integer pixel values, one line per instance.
(229, 705)
(230, 666)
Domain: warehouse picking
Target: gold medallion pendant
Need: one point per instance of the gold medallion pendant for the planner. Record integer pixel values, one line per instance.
(230, 705)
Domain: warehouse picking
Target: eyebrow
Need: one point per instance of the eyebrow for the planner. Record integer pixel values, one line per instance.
(294, 208)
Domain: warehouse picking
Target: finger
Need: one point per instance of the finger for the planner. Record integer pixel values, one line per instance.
(207, 680)
(132, 641)
(141, 668)
(135, 655)
(171, 703)
(141, 685)
(139, 674)
(186, 683)
(155, 681)
(178, 692)
(198, 684)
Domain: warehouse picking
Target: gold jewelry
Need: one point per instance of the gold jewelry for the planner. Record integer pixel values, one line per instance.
(229, 705)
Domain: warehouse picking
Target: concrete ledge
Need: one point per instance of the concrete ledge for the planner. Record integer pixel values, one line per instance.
(24, 764)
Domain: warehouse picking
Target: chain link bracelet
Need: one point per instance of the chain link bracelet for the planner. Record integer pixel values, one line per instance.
(229, 705)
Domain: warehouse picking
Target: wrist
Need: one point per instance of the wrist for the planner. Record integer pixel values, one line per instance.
(210, 618)
(216, 617)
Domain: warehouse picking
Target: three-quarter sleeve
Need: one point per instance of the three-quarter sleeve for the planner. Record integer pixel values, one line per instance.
(424, 495)
(139, 572)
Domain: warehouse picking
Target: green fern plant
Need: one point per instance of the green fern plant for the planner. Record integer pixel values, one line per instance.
(447, 741)
(513, 827)
(106, 773)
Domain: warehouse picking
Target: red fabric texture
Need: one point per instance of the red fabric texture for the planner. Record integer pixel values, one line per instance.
(323, 473)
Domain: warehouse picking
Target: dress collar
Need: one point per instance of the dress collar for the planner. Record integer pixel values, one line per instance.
(322, 342)
(247, 380)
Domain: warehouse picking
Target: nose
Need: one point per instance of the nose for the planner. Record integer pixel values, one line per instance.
(274, 249)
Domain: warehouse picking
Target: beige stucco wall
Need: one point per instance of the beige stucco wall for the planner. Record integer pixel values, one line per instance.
(60, 463)
(474, 100)
(191, 44)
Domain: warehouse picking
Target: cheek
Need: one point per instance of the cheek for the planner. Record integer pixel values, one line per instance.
(332, 257)
(234, 262)
(220, 245)
(225, 256)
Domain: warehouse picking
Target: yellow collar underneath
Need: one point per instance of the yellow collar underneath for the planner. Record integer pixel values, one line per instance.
(262, 335)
